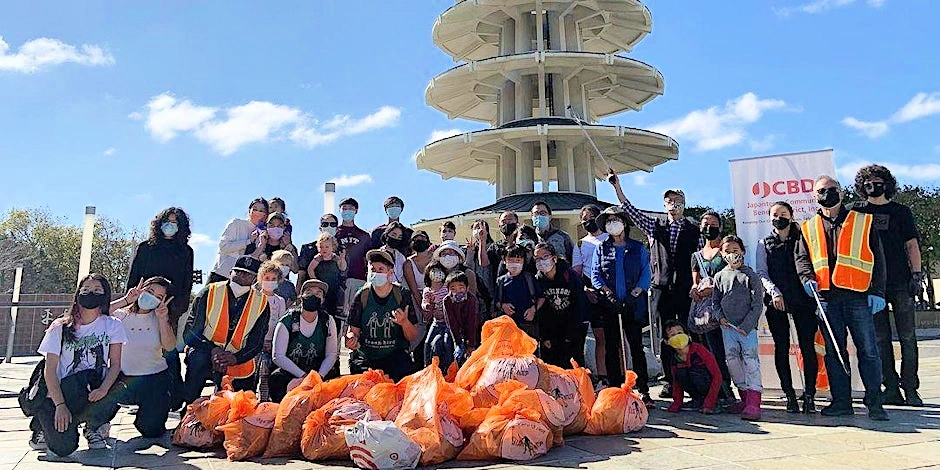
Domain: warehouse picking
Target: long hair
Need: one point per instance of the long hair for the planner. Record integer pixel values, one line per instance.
(182, 222)
(528, 231)
(70, 320)
(156, 280)
(486, 227)
(876, 171)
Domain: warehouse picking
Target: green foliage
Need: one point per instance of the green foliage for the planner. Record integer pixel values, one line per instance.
(49, 250)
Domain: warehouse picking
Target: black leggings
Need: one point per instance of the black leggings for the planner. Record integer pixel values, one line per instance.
(633, 332)
(806, 327)
(75, 392)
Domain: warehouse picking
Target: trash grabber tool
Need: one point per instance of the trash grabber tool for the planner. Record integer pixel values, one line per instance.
(832, 337)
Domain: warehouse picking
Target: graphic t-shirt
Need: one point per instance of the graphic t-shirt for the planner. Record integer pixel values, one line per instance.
(357, 242)
(90, 348)
(143, 354)
(895, 225)
(379, 336)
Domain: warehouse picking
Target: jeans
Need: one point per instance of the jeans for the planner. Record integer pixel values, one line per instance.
(175, 371)
(742, 357)
(714, 341)
(852, 314)
(440, 344)
(151, 393)
(75, 389)
(806, 328)
(674, 304)
(199, 369)
(903, 307)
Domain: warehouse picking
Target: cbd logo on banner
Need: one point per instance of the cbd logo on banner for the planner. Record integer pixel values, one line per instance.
(782, 188)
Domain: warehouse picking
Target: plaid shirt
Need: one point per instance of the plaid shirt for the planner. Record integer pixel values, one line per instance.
(648, 224)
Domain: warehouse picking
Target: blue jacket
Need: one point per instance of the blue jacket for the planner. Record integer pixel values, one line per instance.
(636, 266)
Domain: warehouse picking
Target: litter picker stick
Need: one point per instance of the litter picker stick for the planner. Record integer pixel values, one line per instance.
(623, 346)
(793, 336)
(832, 336)
(588, 136)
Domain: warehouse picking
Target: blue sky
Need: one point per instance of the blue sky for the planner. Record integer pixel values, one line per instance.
(132, 107)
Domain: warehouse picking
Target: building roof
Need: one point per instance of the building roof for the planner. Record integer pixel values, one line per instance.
(558, 201)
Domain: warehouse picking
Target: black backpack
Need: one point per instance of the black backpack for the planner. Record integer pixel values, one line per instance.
(31, 396)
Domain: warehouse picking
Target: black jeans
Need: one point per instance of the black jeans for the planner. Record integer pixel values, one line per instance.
(696, 381)
(806, 327)
(75, 389)
(633, 332)
(397, 365)
(903, 307)
(714, 341)
(175, 372)
(566, 345)
(151, 393)
(199, 369)
(674, 304)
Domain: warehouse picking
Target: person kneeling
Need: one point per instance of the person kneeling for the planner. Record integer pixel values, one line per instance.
(694, 371)
(304, 340)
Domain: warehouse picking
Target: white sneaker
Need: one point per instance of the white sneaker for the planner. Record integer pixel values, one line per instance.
(95, 439)
(38, 441)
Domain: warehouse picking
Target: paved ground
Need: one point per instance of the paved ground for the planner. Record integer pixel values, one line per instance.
(690, 440)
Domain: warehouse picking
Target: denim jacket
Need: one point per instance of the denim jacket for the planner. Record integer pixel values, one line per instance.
(636, 266)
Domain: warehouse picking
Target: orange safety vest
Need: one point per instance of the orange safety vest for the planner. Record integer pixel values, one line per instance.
(854, 259)
(217, 323)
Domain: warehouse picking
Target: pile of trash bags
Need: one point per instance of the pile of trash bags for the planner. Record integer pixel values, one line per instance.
(503, 403)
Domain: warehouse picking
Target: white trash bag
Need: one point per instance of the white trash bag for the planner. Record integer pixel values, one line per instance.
(381, 445)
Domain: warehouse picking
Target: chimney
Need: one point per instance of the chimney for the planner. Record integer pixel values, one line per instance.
(329, 198)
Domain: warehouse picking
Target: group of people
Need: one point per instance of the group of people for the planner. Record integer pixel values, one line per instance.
(396, 297)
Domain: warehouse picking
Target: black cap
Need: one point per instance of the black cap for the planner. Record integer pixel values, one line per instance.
(350, 201)
(247, 264)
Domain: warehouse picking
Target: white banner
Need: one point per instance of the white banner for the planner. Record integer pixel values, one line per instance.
(757, 183)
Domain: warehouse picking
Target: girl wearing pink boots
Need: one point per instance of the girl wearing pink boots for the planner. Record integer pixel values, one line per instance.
(739, 301)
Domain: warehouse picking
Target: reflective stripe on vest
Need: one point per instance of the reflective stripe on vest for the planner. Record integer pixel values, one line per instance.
(854, 259)
(217, 323)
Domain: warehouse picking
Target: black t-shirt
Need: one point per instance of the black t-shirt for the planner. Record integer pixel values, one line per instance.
(895, 223)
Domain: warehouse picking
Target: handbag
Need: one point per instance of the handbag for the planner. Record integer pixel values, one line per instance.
(702, 317)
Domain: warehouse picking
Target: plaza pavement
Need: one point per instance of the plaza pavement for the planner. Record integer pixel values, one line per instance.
(684, 441)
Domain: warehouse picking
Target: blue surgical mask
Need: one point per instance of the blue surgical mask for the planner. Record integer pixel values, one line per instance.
(147, 301)
(378, 279)
(348, 215)
(393, 212)
(169, 229)
(540, 221)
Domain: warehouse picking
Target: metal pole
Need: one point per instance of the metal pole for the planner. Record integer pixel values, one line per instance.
(832, 336)
(88, 236)
(17, 284)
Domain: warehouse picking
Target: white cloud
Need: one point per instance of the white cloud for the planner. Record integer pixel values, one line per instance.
(166, 116)
(819, 6)
(920, 106)
(41, 52)
(110, 151)
(921, 172)
(345, 181)
(439, 134)
(200, 240)
(640, 178)
(719, 127)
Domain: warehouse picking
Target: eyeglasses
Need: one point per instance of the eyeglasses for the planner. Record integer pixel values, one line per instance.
(328, 224)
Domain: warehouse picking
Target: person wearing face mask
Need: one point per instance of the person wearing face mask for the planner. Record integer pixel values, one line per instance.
(451, 257)
(285, 289)
(330, 267)
(269, 278)
(622, 277)
(479, 262)
(564, 246)
(460, 310)
(329, 225)
(671, 246)
(305, 339)
(526, 237)
(561, 318)
(382, 322)
(357, 242)
(508, 223)
(517, 292)
(238, 235)
(82, 350)
(694, 371)
(440, 340)
(705, 264)
(840, 259)
(738, 298)
(393, 208)
(904, 280)
(145, 376)
(229, 323)
(417, 264)
(395, 243)
(274, 237)
(776, 266)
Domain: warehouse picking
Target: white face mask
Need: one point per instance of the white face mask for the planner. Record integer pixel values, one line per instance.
(614, 227)
(268, 285)
(285, 271)
(450, 261)
(514, 268)
(148, 301)
(544, 265)
(378, 279)
(238, 289)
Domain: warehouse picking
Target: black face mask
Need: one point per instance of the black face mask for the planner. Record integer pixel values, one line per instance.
(874, 189)
(829, 198)
(395, 243)
(590, 226)
(420, 245)
(508, 229)
(710, 232)
(311, 303)
(781, 223)
(91, 300)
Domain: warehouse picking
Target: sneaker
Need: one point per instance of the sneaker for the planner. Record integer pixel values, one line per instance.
(666, 392)
(878, 414)
(838, 410)
(913, 398)
(38, 441)
(892, 396)
(95, 439)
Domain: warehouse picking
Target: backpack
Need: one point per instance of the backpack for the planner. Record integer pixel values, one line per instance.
(529, 282)
(366, 288)
(31, 396)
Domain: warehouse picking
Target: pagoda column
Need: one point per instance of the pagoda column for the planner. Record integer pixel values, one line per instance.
(507, 173)
(525, 168)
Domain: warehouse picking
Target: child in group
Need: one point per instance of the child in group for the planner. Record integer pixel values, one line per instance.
(739, 300)
(439, 341)
(461, 309)
(695, 371)
(517, 293)
(561, 320)
(286, 290)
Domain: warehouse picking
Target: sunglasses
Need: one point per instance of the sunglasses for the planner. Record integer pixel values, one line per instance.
(328, 224)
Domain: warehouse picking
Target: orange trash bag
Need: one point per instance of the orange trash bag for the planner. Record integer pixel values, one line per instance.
(191, 433)
(352, 386)
(618, 410)
(386, 399)
(509, 432)
(291, 413)
(248, 437)
(214, 411)
(324, 434)
(505, 353)
(430, 412)
(572, 388)
(514, 393)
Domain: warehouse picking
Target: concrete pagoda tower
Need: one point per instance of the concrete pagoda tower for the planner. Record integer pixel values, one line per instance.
(530, 66)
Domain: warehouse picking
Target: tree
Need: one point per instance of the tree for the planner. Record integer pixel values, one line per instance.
(49, 251)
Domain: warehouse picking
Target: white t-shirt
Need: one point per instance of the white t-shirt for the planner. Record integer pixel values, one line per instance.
(143, 354)
(90, 348)
(589, 245)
